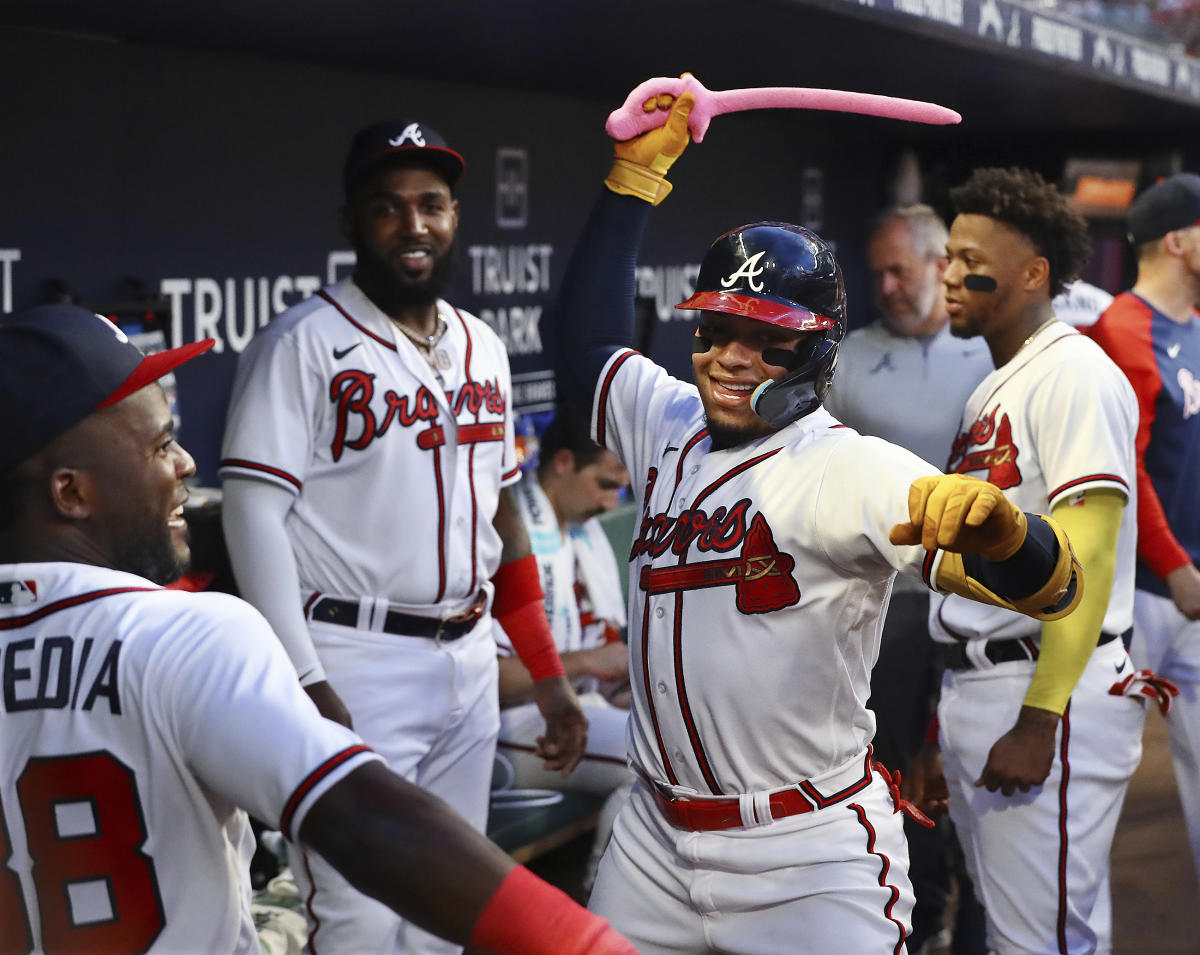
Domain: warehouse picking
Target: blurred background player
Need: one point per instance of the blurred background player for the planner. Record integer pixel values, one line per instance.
(366, 465)
(905, 378)
(1152, 332)
(574, 482)
(1035, 809)
(138, 723)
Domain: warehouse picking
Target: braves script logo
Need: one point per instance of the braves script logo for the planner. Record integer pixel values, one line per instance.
(1191, 392)
(1000, 460)
(761, 574)
(352, 391)
(411, 132)
(748, 271)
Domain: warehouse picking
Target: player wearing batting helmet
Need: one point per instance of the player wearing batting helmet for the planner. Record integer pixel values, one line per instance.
(136, 720)
(761, 570)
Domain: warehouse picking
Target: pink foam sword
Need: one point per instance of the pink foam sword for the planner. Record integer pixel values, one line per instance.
(630, 119)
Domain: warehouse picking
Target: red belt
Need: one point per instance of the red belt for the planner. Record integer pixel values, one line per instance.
(706, 815)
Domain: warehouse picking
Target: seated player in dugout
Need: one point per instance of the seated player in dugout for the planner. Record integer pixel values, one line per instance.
(769, 538)
(136, 720)
(560, 501)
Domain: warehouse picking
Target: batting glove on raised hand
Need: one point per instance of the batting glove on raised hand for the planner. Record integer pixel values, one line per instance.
(963, 515)
(641, 163)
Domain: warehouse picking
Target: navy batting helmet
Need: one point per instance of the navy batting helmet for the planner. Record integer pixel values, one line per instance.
(786, 275)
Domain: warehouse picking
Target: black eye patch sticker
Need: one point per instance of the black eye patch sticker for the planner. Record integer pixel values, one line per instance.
(980, 283)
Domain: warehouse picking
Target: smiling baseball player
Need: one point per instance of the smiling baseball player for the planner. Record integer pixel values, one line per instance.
(759, 823)
(138, 724)
(366, 468)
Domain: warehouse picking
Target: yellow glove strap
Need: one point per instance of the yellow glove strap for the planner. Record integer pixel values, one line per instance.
(1067, 643)
(631, 179)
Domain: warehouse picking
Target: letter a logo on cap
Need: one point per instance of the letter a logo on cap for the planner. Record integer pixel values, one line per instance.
(748, 271)
(412, 133)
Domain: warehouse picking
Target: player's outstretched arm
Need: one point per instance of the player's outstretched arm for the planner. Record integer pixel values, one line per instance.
(409, 850)
(594, 313)
(995, 553)
(520, 608)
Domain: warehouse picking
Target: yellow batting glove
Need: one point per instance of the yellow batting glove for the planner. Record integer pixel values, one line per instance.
(641, 163)
(963, 515)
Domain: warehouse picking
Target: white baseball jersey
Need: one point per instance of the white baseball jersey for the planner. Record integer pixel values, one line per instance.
(135, 721)
(334, 403)
(1057, 419)
(758, 582)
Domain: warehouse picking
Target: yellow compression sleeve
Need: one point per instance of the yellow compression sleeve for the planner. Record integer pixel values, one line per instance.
(1067, 643)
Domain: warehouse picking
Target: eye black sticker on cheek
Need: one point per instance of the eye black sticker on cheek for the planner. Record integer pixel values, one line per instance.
(980, 283)
(700, 344)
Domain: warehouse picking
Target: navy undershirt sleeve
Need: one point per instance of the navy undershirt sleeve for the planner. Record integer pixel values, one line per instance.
(594, 314)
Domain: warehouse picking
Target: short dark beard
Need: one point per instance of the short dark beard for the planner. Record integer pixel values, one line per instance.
(722, 437)
(394, 294)
(154, 558)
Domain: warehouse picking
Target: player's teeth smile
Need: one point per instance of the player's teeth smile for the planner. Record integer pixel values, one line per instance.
(731, 392)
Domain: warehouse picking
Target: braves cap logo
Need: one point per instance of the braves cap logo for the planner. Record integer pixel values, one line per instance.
(411, 133)
(749, 272)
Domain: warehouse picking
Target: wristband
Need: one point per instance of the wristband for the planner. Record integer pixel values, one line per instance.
(532, 917)
(520, 609)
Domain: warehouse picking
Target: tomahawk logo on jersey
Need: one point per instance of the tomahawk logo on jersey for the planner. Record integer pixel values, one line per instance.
(995, 453)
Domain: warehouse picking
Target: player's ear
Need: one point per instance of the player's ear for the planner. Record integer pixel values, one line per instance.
(72, 493)
(1037, 273)
(563, 462)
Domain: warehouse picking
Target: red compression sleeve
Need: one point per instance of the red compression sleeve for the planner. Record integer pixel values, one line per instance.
(531, 917)
(520, 609)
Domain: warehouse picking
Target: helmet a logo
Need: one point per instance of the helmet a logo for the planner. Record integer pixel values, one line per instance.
(411, 133)
(750, 270)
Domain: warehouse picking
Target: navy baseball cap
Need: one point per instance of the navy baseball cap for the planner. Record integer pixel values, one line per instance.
(58, 364)
(1168, 205)
(399, 139)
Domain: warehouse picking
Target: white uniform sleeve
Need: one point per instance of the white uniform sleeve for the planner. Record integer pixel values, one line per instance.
(272, 426)
(864, 493)
(1084, 418)
(253, 514)
(245, 727)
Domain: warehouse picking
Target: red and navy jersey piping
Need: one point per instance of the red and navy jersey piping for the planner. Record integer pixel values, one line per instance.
(353, 321)
(311, 781)
(246, 465)
(14, 623)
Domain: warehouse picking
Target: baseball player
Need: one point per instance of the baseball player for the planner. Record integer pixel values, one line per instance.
(761, 571)
(1153, 334)
(1054, 427)
(908, 359)
(366, 462)
(575, 481)
(135, 720)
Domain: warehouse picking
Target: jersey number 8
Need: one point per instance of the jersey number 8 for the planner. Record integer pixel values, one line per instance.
(96, 890)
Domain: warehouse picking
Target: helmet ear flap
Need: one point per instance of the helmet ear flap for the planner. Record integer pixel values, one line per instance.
(782, 400)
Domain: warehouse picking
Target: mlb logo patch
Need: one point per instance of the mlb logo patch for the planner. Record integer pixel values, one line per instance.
(17, 593)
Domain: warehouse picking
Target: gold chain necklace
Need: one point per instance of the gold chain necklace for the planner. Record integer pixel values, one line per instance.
(1032, 335)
